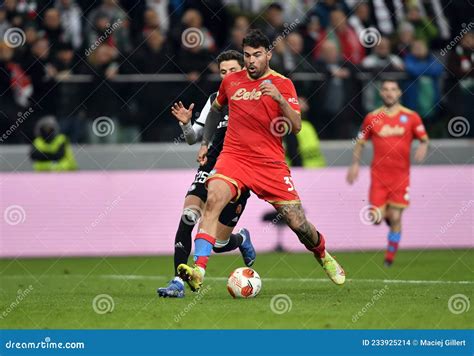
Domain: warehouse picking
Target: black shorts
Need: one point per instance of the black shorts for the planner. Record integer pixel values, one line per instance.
(231, 214)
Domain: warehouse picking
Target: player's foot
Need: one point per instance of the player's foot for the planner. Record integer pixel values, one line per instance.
(333, 269)
(174, 289)
(191, 275)
(246, 249)
(387, 263)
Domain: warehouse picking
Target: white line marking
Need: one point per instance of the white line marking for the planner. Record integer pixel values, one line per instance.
(163, 277)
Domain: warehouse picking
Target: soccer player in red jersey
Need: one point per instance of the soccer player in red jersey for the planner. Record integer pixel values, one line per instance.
(392, 129)
(263, 106)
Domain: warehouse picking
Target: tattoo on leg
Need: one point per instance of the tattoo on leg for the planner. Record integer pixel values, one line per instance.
(296, 220)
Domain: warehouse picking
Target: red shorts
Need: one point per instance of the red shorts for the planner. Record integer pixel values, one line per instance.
(392, 191)
(269, 181)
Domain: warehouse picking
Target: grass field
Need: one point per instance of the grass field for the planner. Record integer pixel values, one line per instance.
(413, 293)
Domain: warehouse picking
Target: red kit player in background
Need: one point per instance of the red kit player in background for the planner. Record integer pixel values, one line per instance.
(392, 129)
(261, 102)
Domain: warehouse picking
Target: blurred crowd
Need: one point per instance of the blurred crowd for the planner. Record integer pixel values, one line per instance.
(348, 44)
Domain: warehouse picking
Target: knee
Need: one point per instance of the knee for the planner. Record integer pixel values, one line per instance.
(191, 215)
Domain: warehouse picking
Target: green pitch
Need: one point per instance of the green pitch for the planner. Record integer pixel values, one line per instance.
(414, 293)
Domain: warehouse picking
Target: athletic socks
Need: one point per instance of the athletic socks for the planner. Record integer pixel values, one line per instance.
(320, 250)
(182, 243)
(393, 241)
(234, 241)
(203, 244)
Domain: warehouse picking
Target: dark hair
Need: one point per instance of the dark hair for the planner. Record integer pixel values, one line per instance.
(276, 6)
(229, 56)
(391, 80)
(255, 39)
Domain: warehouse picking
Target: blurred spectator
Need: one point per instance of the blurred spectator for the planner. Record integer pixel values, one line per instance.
(109, 21)
(69, 110)
(196, 45)
(425, 30)
(278, 51)
(312, 35)
(71, 21)
(151, 57)
(151, 22)
(4, 24)
(345, 38)
(293, 58)
(303, 150)
(406, 36)
(13, 88)
(160, 8)
(361, 18)
(237, 33)
(51, 150)
(334, 95)
(14, 17)
(52, 29)
(388, 14)
(423, 87)
(382, 60)
(324, 8)
(40, 69)
(460, 85)
(272, 25)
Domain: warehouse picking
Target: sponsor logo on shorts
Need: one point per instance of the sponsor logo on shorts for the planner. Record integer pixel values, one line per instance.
(192, 187)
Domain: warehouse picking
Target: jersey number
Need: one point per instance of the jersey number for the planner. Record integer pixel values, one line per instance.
(289, 181)
(201, 177)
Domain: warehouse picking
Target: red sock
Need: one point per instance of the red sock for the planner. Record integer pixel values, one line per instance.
(320, 250)
(391, 251)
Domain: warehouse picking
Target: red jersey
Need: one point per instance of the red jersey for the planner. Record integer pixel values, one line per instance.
(392, 136)
(251, 115)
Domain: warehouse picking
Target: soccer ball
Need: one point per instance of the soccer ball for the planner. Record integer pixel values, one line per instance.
(244, 282)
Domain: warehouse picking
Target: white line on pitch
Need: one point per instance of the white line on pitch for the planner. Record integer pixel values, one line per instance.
(161, 277)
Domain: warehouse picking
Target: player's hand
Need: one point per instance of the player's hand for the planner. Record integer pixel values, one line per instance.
(182, 114)
(421, 152)
(202, 155)
(353, 173)
(271, 90)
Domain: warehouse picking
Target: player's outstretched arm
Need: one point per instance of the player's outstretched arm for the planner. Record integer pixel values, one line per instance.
(212, 121)
(192, 133)
(353, 172)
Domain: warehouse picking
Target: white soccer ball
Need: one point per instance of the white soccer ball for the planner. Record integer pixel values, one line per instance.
(244, 282)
